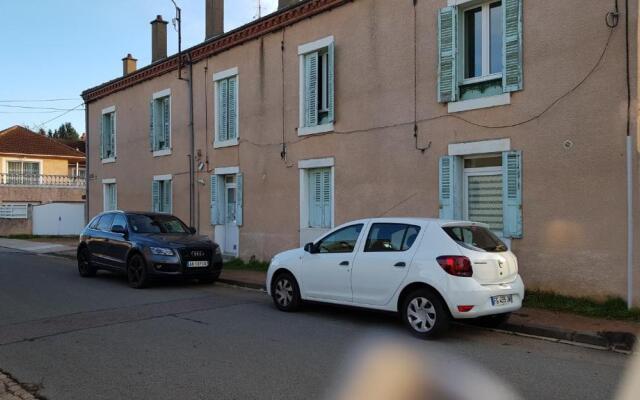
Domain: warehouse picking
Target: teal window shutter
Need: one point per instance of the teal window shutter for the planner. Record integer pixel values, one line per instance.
(152, 141)
(331, 82)
(512, 77)
(315, 198)
(215, 220)
(166, 122)
(311, 89)
(155, 196)
(239, 199)
(168, 197)
(112, 134)
(223, 110)
(450, 187)
(233, 108)
(512, 193)
(447, 52)
(326, 198)
(103, 129)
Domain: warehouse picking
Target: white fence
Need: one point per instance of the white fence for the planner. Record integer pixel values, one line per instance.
(14, 211)
(58, 219)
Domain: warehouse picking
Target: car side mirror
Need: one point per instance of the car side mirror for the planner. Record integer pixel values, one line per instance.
(119, 229)
(192, 230)
(311, 248)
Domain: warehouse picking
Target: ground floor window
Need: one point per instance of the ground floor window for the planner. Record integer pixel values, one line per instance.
(162, 199)
(110, 196)
(320, 189)
(484, 188)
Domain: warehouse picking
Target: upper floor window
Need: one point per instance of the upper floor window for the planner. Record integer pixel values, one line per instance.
(161, 197)
(160, 123)
(480, 52)
(226, 108)
(108, 135)
(317, 86)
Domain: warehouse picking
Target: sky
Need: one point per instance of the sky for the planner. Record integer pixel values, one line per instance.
(55, 49)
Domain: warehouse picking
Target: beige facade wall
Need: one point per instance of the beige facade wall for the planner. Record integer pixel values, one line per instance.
(574, 200)
(49, 166)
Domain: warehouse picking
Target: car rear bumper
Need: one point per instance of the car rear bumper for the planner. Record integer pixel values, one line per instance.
(468, 292)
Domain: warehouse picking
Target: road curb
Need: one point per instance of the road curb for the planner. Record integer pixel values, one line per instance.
(618, 341)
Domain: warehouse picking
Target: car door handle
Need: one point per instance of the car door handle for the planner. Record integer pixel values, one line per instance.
(344, 264)
(400, 264)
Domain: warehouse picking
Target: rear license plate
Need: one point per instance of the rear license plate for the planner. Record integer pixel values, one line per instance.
(198, 264)
(502, 300)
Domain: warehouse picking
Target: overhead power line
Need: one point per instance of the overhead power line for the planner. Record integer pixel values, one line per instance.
(61, 115)
(37, 108)
(36, 100)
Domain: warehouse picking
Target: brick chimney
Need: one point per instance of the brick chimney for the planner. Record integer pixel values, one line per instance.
(158, 39)
(286, 3)
(129, 64)
(214, 14)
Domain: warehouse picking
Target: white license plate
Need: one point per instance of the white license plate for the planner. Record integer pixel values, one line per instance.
(198, 264)
(502, 300)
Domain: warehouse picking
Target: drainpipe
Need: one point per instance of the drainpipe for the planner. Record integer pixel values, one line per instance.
(88, 162)
(191, 149)
(630, 232)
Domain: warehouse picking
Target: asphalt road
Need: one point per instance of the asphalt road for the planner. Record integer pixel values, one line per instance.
(98, 339)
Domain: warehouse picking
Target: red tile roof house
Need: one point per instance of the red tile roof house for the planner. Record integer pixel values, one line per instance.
(36, 169)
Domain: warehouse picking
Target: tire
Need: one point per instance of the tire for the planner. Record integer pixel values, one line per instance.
(285, 292)
(425, 314)
(137, 272)
(85, 268)
(493, 321)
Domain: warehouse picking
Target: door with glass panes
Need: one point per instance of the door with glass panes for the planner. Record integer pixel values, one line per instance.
(482, 191)
(231, 231)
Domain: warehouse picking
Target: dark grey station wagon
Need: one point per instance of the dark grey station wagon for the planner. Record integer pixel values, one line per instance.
(146, 246)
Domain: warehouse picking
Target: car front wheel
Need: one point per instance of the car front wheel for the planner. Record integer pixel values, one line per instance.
(137, 272)
(424, 313)
(285, 292)
(85, 267)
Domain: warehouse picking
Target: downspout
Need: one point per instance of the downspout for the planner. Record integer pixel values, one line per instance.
(630, 232)
(191, 149)
(87, 148)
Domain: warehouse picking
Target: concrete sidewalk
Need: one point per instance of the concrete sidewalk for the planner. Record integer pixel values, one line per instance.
(36, 247)
(551, 325)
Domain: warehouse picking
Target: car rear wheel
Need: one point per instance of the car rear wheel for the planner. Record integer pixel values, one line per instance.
(85, 267)
(285, 292)
(424, 313)
(137, 272)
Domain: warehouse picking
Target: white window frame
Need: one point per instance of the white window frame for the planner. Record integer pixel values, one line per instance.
(105, 183)
(303, 50)
(306, 233)
(165, 178)
(154, 97)
(105, 111)
(30, 160)
(217, 77)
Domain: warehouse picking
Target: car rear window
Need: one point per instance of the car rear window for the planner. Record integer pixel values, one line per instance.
(476, 238)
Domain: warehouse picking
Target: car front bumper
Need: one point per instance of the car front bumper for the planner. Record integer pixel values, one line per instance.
(177, 266)
(468, 292)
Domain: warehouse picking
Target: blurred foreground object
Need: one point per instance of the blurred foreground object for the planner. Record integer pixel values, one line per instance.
(630, 389)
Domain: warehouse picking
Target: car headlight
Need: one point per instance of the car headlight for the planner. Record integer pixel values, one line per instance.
(160, 251)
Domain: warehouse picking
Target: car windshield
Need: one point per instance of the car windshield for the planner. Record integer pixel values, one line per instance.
(476, 238)
(156, 224)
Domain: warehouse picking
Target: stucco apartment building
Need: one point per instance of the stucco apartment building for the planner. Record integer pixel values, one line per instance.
(514, 113)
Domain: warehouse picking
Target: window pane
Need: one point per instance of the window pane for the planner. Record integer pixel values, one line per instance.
(105, 222)
(473, 41)
(342, 241)
(119, 220)
(385, 237)
(496, 37)
(483, 162)
(485, 200)
(410, 237)
(475, 237)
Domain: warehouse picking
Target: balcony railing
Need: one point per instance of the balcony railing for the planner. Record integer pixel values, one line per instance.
(42, 180)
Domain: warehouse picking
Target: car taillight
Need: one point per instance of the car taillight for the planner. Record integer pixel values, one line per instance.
(456, 265)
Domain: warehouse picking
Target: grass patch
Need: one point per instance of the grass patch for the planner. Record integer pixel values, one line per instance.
(612, 308)
(251, 265)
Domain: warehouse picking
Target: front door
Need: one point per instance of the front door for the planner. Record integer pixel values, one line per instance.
(231, 231)
(326, 275)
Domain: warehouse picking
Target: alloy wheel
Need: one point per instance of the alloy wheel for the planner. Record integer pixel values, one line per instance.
(421, 314)
(284, 292)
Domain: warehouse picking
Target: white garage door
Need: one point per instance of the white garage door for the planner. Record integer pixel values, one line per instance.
(58, 219)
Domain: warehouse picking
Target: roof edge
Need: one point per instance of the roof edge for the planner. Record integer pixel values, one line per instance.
(253, 30)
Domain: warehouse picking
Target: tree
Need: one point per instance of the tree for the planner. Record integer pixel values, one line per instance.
(65, 131)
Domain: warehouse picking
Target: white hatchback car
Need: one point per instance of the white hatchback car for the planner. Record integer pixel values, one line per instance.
(428, 270)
